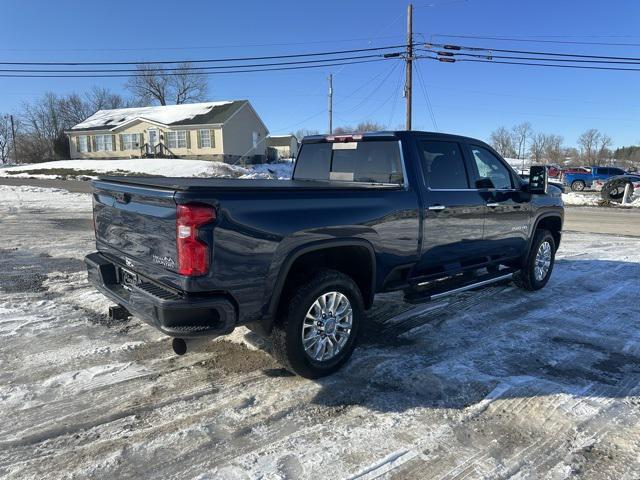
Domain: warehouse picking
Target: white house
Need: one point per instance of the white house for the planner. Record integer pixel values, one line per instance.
(228, 131)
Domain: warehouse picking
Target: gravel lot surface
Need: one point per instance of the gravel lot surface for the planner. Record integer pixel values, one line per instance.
(495, 383)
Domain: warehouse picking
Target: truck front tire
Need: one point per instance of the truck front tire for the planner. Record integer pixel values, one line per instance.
(539, 263)
(317, 330)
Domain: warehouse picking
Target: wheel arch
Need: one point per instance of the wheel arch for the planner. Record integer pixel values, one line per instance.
(331, 250)
(550, 221)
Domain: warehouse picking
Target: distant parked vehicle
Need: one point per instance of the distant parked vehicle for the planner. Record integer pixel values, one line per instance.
(582, 181)
(613, 188)
(553, 171)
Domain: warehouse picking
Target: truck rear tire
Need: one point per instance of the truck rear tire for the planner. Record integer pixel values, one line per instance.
(578, 186)
(539, 263)
(318, 327)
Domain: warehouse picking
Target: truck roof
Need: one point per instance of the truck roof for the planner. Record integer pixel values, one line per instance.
(384, 134)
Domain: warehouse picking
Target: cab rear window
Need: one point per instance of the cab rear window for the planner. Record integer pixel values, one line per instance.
(367, 162)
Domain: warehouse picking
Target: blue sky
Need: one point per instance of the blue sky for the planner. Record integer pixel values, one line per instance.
(468, 98)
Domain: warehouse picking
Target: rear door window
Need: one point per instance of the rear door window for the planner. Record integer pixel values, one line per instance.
(443, 165)
(367, 162)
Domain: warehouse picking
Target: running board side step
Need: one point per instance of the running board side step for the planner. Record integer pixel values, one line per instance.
(415, 296)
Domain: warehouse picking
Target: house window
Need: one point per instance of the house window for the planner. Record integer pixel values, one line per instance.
(205, 138)
(130, 141)
(104, 143)
(177, 139)
(83, 144)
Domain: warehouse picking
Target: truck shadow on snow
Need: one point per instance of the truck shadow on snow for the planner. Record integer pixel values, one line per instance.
(579, 336)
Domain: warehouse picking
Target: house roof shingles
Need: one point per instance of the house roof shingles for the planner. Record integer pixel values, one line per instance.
(170, 115)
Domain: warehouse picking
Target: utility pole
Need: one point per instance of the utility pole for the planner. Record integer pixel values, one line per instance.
(13, 136)
(330, 78)
(409, 81)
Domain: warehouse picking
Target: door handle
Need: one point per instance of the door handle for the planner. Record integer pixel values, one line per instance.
(492, 205)
(437, 207)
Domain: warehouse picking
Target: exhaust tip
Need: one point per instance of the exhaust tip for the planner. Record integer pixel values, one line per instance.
(179, 346)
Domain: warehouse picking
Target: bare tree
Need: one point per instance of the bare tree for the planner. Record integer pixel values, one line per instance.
(303, 132)
(502, 141)
(588, 143)
(521, 134)
(537, 147)
(5, 138)
(156, 84)
(365, 126)
(553, 150)
(369, 126)
(100, 98)
(73, 109)
(603, 151)
(188, 85)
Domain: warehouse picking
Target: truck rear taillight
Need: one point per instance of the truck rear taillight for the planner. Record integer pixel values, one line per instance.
(193, 253)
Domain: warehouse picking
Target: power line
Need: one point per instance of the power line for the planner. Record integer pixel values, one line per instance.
(584, 67)
(527, 52)
(521, 39)
(199, 47)
(212, 60)
(373, 92)
(428, 100)
(301, 67)
(490, 56)
(396, 96)
(183, 70)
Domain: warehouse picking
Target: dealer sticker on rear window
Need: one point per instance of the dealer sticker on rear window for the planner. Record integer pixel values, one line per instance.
(341, 176)
(344, 146)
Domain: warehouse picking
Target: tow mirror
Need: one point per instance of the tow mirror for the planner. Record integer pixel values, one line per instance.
(484, 183)
(538, 180)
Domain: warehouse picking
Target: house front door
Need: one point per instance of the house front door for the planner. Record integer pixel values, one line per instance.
(153, 139)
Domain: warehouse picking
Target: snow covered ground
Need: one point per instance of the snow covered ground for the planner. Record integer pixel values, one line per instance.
(591, 199)
(147, 166)
(493, 383)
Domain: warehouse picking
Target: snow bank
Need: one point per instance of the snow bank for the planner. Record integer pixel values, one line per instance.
(581, 199)
(594, 200)
(162, 114)
(150, 166)
(15, 198)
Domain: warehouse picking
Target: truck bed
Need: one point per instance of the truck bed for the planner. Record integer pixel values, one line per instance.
(191, 184)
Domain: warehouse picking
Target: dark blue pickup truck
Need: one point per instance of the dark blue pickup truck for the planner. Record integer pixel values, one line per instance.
(301, 260)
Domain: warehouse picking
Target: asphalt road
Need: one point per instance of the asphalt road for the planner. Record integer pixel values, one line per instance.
(577, 219)
(615, 221)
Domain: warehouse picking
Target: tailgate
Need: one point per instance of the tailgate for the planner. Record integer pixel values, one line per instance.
(137, 224)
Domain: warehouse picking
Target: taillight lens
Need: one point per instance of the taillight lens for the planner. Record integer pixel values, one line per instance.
(193, 253)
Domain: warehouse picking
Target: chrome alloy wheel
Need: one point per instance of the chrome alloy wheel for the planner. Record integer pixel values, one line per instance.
(543, 261)
(327, 326)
